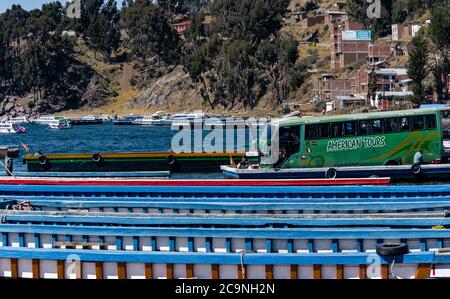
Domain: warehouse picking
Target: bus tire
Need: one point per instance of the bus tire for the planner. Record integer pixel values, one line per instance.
(42, 160)
(331, 173)
(97, 158)
(416, 168)
(391, 249)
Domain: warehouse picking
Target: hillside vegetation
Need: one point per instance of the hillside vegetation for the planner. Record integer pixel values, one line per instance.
(236, 56)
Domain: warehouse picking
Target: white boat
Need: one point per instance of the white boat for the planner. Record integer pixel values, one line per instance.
(19, 120)
(59, 124)
(158, 119)
(181, 117)
(46, 120)
(106, 117)
(89, 117)
(10, 128)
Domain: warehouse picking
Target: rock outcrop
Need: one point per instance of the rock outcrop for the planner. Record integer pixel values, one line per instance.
(175, 88)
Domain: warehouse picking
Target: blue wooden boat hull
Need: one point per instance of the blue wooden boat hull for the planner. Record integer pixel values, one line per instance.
(223, 232)
(402, 173)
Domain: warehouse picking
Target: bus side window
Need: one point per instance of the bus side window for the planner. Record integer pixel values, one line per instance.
(404, 124)
(364, 127)
(311, 132)
(377, 126)
(418, 123)
(392, 125)
(430, 122)
(350, 128)
(324, 130)
(336, 130)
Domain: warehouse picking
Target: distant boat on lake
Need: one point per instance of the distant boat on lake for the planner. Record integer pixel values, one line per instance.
(11, 128)
(46, 120)
(60, 124)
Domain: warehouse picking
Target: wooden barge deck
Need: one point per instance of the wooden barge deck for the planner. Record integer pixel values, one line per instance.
(125, 162)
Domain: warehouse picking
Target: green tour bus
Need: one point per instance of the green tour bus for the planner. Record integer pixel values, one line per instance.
(370, 139)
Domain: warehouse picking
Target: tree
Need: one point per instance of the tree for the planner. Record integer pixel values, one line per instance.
(100, 25)
(439, 33)
(150, 33)
(373, 85)
(417, 65)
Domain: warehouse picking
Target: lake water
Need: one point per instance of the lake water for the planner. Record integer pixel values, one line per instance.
(96, 138)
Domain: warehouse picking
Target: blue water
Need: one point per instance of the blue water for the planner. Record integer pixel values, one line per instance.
(95, 138)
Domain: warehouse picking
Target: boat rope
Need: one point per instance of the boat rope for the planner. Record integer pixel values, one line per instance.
(243, 252)
(392, 269)
(440, 226)
(7, 170)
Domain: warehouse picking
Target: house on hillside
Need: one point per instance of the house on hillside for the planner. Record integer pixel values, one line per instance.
(184, 25)
(393, 86)
(309, 22)
(404, 32)
(330, 87)
(349, 42)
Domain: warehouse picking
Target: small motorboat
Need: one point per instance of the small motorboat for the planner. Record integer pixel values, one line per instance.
(11, 128)
(126, 121)
(158, 119)
(105, 118)
(46, 120)
(59, 124)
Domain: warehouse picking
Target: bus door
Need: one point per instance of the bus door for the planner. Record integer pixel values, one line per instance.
(289, 143)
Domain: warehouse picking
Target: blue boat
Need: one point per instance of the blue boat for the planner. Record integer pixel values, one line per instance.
(225, 232)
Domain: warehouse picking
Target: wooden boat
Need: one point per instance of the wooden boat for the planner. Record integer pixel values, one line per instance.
(397, 173)
(232, 199)
(92, 245)
(86, 181)
(205, 236)
(124, 162)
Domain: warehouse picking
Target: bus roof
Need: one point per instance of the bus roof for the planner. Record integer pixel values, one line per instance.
(344, 117)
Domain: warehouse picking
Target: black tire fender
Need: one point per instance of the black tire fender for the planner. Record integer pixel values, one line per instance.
(42, 160)
(416, 168)
(171, 160)
(97, 157)
(331, 173)
(391, 249)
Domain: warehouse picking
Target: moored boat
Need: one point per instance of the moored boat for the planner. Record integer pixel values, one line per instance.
(45, 120)
(123, 162)
(59, 124)
(125, 121)
(19, 120)
(11, 128)
(160, 232)
(158, 119)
